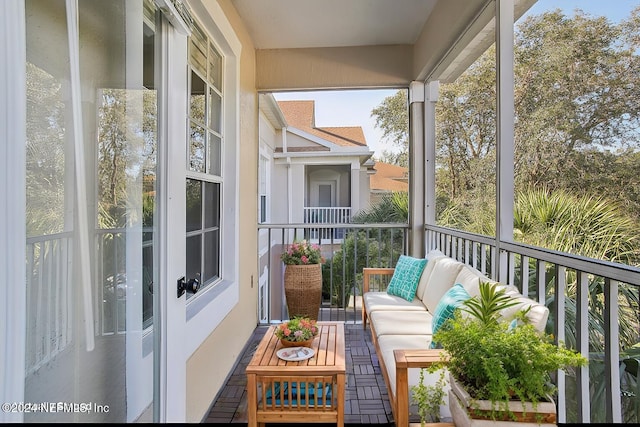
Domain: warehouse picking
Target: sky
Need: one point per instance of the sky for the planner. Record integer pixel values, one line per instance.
(353, 107)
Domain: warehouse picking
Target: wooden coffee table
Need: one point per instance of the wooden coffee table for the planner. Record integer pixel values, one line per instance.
(310, 391)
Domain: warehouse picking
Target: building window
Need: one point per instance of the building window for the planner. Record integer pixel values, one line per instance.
(205, 176)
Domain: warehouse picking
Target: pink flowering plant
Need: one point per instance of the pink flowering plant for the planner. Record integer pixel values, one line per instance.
(297, 329)
(302, 253)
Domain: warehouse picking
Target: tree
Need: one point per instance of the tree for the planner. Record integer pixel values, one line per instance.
(393, 207)
(578, 91)
(392, 117)
(577, 115)
(46, 154)
(589, 226)
(466, 131)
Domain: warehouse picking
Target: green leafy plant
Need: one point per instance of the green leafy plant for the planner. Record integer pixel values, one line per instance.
(428, 398)
(297, 329)
(498, 359)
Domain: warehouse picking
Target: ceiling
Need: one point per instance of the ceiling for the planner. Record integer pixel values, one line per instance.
(280, 24)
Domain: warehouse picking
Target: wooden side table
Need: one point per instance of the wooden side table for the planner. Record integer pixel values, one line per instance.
(310, 391)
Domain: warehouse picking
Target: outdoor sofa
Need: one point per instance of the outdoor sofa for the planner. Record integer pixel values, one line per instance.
(402, 321)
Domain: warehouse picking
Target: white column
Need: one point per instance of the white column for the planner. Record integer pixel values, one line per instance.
(355, 186)
(431, 90)
(505, 132)
(416, 169)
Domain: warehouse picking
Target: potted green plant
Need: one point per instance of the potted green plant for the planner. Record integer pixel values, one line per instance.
(299, 331)
(500, 369)
(429, 398)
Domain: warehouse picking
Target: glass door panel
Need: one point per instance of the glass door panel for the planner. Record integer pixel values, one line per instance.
(91, 195)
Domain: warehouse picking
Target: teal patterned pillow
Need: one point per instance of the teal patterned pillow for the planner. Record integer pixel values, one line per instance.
(447, 305)
(406, 277)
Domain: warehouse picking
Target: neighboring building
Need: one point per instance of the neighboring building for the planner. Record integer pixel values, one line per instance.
(321, 173)
(308, 175)
(388, 179)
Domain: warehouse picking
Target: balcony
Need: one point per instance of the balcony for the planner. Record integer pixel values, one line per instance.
(586, 297)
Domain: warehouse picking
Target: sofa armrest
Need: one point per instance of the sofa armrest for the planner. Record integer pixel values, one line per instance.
(406, 359)
(367, 272)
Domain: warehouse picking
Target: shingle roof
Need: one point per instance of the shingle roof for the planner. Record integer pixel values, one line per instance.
(301, 115)
(389, 177)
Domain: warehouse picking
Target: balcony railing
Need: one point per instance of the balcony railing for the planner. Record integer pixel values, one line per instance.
(50, 291)
(327, 215)
(370, 245)
(50, 321)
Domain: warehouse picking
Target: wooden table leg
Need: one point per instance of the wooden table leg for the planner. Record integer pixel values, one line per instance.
(341, 387)
(252, 401)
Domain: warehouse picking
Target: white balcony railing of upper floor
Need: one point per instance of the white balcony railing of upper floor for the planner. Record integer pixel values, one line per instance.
(50, 291)
(327, 215)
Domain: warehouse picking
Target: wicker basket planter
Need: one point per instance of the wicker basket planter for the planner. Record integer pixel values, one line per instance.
(303, 290)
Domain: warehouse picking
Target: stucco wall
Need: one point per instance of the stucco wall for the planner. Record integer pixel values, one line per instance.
(209, 366)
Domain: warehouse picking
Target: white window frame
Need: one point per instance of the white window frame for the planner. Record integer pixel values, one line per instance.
(12, 226)
(264, 187)
(220, 299)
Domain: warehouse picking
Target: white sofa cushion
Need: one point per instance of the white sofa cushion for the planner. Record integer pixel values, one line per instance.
(442, 279)
(428, 269)
(388, 343)
(470, 279)
(537, 315)
(386, 322)
(374, 301)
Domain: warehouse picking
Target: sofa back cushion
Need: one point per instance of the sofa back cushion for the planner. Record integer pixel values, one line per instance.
(428, 269)
(406, 276)
(537, 315)
(445, 270)
(470, 279)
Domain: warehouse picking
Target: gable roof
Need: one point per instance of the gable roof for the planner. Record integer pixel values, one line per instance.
(389, 177)
(301, 115)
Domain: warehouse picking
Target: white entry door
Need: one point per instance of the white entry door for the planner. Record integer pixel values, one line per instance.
(323, 193)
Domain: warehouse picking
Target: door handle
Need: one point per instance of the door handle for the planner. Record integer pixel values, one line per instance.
(191, 286)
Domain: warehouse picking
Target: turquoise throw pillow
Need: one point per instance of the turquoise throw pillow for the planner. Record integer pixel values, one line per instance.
(406, 277)
(446, 307)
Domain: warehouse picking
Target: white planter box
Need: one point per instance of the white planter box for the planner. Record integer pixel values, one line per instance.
(459, 401)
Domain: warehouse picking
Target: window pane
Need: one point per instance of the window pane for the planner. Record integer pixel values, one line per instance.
(215, 147)
(215, 112)
(212, 205)
(215, 67)
(194, 258)
(198, 49)
(198, 101)
(196, 148)
(194, 205)
(211, 255)
(263, 209)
